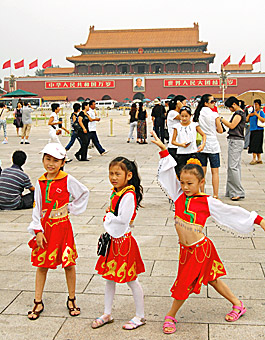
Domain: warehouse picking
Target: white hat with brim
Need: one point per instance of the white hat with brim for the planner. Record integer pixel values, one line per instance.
(156, 101)
(55, 150)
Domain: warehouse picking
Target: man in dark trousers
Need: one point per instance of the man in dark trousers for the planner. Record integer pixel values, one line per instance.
(158, 117)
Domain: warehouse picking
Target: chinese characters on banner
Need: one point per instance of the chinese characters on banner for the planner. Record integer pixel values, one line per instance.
(197, 82)
(92, 84)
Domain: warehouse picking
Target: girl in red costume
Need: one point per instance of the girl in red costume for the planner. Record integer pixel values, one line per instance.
(53, 243)
(199, 262)
(123, 261)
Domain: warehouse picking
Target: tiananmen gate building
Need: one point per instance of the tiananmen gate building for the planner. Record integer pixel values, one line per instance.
(139, 63)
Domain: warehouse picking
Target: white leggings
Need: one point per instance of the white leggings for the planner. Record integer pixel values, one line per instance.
(138, 296)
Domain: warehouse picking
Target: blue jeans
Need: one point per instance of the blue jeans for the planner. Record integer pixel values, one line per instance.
(74, 136)
(92, 135)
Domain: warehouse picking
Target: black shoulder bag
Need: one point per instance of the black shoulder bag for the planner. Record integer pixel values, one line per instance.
(105, 238)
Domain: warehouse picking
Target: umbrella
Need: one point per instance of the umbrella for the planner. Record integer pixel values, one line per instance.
(147, 100)
(251, 95)
(126, 99)
(137, 101)
(20, 93)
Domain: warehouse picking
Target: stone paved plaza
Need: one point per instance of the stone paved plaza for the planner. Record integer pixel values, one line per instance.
(202, 316)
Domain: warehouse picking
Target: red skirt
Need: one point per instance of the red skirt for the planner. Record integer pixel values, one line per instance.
(198, 264)
(60, 247)
(123, 261)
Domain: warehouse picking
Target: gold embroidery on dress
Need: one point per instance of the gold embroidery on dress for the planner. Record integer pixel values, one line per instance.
(217, 268)
(122, 272)
(41, 258)
(132, 270)
(206, 255)
(53, 256)
(119, 242)
(112, 265)
(35, 251)
(69, 255)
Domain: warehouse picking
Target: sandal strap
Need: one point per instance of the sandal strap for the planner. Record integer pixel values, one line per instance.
(171, 318)
(169, 324)
(72, 300)
(240, 308)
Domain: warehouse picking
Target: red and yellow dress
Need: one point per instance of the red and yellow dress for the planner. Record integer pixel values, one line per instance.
(123, 261)
(60, 247)
(199, 263)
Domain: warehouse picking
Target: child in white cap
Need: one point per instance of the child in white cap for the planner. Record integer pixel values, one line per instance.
(53, 243)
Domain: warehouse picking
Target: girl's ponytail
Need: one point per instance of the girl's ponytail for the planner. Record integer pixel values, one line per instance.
(136, 182)
(204, 99)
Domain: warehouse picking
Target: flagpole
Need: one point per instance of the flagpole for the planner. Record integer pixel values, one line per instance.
(260, 63)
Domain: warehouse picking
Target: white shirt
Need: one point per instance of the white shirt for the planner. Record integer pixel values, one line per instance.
(171, 123)
(117, 226)
(187, 134)
(80, 195)
(4, 114)
(55, 120)
(207, 123)
(92, 125)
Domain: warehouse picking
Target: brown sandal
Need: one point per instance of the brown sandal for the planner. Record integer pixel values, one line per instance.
(33, 311)
(73, 309)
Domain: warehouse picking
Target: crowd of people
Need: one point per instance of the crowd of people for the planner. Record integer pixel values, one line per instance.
(181, 173)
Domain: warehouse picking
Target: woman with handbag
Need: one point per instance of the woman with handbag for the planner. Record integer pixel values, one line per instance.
(209, 122)
(18, 117)
(141, 125)
(122, 261)
(74, 123)
(256, 119)
(83, 134)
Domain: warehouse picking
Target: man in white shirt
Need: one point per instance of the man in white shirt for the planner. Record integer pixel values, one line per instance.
(92, 128)
(3, 116)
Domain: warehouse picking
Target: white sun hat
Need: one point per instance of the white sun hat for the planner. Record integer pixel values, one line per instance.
(55, 150)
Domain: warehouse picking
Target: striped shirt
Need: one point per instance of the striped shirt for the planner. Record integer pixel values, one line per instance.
(13, 181)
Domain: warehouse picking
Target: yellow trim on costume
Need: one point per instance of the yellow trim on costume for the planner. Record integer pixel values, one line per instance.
(194, 213)
(61, 174)
(200, 225)
(119, 193)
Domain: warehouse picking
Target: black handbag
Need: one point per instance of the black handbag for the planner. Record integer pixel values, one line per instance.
(77, 126)
(105, 238)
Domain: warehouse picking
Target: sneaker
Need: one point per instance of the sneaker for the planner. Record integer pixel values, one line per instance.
(104, 153)
(22, 141)
(5, 142)
(27, 142)
(88, 156)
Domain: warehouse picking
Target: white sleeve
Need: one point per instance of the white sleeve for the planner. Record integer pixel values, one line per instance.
(117, 226)
(80, 194)
(233, 217)
(167, 177)
(36, 213)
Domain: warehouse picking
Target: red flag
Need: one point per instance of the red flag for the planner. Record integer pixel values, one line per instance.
(33, 64)
(7, 64)
(243, 60)
(227, 61)
(47, 63)
(19, 64)
(257, 60)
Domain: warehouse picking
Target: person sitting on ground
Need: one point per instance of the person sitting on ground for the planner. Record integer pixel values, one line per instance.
(13, 181)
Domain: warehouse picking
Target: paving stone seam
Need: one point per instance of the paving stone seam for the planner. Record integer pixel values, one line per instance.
(11, 302)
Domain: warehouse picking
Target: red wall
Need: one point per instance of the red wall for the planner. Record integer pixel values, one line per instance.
(123, 88)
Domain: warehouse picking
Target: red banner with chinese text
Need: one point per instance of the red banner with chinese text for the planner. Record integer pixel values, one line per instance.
(93, 84)
(197, 82)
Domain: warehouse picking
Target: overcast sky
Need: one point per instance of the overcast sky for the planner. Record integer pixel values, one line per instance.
(41, 29)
